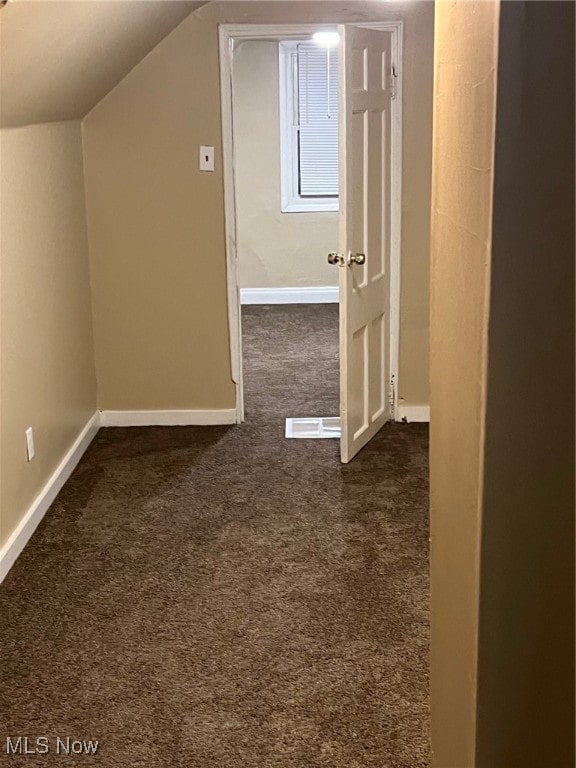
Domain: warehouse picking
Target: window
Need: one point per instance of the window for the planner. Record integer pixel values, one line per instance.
(308, 127)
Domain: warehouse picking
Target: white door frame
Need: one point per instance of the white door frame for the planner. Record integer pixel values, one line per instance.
(227, 34)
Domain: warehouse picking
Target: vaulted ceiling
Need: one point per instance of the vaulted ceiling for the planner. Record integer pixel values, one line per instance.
(59, 58)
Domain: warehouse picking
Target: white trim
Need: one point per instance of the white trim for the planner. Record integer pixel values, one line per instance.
(226, 45)
(396, 213)
(227, 34)
(328, 294)
(21, 535)
(167, 418)
(414, 413)
(274, 31)
(309, 205)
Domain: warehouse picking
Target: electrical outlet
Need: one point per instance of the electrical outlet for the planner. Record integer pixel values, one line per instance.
(30, 443)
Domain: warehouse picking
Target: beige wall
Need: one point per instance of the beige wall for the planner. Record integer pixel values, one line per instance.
(47, 369)
(465, 79)
(156, 224)
(502, 376)
(275, 249)
(156, 232)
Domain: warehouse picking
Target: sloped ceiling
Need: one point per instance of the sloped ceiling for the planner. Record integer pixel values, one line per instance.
(59, 58)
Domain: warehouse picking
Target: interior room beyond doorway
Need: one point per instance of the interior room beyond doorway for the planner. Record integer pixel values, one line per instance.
(283, 238)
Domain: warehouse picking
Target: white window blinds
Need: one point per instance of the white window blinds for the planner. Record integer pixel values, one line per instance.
(318, 121)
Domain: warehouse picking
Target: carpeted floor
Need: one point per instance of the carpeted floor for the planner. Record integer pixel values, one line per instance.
(220, 597)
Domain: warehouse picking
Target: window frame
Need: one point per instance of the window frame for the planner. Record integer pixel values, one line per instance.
(291, 201)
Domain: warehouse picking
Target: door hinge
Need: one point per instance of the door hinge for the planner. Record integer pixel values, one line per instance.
(393, 80)
(392, 398)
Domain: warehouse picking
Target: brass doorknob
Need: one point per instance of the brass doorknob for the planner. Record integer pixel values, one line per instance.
(346, 261)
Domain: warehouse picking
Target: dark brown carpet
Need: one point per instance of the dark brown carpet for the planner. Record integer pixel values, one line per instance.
(213, 597)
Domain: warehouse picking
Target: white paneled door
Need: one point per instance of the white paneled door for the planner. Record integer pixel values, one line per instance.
(365, 238)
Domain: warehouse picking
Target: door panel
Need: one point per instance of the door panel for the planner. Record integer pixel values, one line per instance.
(365, 174)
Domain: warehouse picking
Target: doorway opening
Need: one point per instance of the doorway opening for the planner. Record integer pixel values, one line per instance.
(312, 173)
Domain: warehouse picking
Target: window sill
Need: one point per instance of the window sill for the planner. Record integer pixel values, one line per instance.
(310, 207)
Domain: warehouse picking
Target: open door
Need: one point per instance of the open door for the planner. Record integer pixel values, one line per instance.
(365, 218)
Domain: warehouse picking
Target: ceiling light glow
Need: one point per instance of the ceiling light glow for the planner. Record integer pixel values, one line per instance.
(327, 38)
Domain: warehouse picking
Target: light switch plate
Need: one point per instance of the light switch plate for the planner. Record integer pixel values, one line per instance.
(206, 158)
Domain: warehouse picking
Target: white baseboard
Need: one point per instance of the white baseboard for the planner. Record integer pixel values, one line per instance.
(414, 413)
(324, 295)
(167, 418)
(21, 535)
